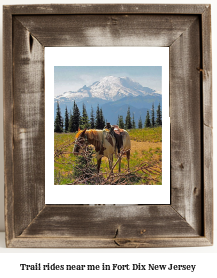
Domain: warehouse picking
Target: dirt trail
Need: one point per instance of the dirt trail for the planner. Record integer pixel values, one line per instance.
(144, 146)
(141, 146)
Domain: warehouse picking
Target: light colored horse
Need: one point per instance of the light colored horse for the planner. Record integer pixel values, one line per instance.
(104, 143)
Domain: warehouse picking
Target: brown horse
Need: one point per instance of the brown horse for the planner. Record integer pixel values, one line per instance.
(104, 143)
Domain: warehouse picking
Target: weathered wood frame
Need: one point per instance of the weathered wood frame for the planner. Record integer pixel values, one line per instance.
(186, 29)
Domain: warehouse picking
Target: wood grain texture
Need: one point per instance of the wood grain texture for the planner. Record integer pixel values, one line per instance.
(163, 242)
(185, 116)
(106, 9)
(207, 67)
(207, 122)
(107, 30)
(8, 125)
(208, 182)
(109, 222)
(29, 130)
(29, 223)
(69, 242)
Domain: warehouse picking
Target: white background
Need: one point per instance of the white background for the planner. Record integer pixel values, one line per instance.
(98, 194)
(204, 257)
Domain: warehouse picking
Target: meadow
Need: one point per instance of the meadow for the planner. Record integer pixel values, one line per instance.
(145, 159)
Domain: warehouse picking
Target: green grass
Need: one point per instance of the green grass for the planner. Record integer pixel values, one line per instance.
(64, 162)
(146, 134)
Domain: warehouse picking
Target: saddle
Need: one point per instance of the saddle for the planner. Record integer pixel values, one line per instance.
(116, 132)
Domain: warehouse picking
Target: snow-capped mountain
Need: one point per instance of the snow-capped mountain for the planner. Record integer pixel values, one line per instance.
(114, 95)
(109, 88)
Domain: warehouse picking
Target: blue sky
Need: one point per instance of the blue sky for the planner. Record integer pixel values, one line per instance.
(73, 78)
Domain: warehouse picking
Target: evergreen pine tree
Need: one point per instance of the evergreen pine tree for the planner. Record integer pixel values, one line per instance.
(128, 123)
(140, 122)
(66, 120)
(147, 120)
(152, 116)
(71, 121)
(121, 122)
(92, 122)
(76, 117)
(97, 119)
(159, 116)
(84, 119)
(62, 123)
(118, 120)
(133, 123)
(58, 123)
(101, 118)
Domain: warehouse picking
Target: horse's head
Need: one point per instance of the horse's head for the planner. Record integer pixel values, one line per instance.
(80, 141)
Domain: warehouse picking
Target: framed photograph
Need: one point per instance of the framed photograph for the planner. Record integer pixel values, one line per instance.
(109, 87)
(108, 104)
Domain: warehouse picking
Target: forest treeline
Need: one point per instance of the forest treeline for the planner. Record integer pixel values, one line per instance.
(74, 119)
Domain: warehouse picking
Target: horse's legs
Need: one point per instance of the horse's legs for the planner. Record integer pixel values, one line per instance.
(119, 169)
(128, 159)
(110, 162)
(98, 164)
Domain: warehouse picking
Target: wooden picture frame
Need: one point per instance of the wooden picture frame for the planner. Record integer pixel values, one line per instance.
(186, 30)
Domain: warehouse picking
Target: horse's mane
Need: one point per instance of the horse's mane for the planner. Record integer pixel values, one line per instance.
(78, 134)
(91, 133)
